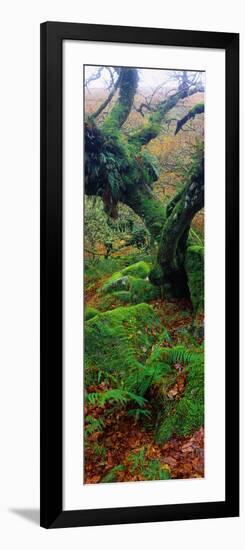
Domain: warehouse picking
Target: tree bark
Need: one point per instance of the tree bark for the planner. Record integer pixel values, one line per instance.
(169, 271)
(121, 109)
(145, 204)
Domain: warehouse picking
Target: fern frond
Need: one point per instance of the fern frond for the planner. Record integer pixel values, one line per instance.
(93, 425)
(118, 395)
(178, 354)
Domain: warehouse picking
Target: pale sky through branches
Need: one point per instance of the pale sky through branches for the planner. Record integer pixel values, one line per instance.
(148, 77)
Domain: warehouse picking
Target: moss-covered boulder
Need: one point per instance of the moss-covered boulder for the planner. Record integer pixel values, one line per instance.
(118, 281)
(89, 313)
(137, 291)
(131, 284)
(120, 340)
(121, 282)
(194, 266)
(140, 269)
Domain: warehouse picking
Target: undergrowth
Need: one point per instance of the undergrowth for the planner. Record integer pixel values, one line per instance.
(132, 364)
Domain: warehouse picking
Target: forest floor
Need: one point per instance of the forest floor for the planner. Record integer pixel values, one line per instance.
(125, 441)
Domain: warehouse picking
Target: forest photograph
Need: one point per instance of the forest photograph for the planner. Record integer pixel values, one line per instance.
(143, 274)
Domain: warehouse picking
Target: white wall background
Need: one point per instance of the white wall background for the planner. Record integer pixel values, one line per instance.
(19, 272)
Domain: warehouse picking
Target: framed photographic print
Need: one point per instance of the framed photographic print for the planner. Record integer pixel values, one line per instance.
(139, 274)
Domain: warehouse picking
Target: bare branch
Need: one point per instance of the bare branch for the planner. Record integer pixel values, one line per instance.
(196, 110)
(92, 77)
(108, 99)
(153, 127)
(148, 100)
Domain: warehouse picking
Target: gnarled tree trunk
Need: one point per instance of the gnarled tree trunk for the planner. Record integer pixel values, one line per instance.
(118, 168)
(169, 271)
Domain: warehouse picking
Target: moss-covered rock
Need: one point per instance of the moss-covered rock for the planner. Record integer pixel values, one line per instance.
(194, 266)
(118, 341)
(140, 269)
(138, 291)
(89, 313)
(120, 280)
(131, 284)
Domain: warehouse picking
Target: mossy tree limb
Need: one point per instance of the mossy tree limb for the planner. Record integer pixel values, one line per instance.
(171, 251)
(120, 111)
(116, 166)
(196, 110)
(146, 205)
(152, 127)
(116, 174)
(194, 265)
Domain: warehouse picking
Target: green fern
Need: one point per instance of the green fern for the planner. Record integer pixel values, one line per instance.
(136, 398)
(148, 469)
(118, 395)
(100, 398)
(155, 470)
(111, 476)
(137, 413)
(186, 415)
(137, 460)
(178, 354)
(93, 425)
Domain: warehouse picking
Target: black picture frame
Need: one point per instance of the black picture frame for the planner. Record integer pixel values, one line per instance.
(52, 35)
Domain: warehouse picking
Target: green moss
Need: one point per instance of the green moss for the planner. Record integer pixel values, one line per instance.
(118, 341)
(95, 270)
(142, 291)
(113, 120)
(130, 284)
(122, 107)
(196, 109)
(116, 283)
(89, 313)
(136, 291)
(152, 127)
(184, 416)
(140, 269)
(146, 133)
(147, 206)
(194, 266)
(154, 215)
(117, 170)
(123, 296)
(120, 279)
